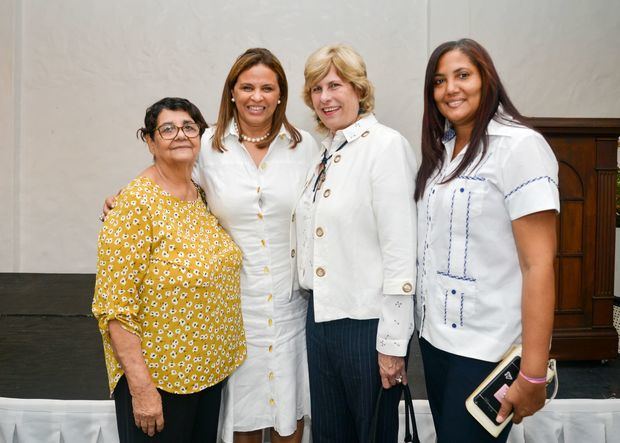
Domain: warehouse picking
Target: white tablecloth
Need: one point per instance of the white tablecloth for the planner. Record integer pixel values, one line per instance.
(84, 421)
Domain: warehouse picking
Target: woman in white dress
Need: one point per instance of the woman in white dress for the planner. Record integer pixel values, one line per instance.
(252, 165)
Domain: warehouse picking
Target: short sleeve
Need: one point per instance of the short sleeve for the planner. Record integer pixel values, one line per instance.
(529, 177)
(123, 257)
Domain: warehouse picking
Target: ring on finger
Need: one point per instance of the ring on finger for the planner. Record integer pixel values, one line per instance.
(399, 379)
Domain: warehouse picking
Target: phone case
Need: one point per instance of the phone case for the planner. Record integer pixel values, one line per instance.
(484, 403)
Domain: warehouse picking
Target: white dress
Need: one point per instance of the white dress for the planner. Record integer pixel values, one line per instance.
(254, 205)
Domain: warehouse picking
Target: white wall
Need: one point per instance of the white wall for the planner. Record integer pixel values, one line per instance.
(557, 58)
(8, 141)
(81, 72)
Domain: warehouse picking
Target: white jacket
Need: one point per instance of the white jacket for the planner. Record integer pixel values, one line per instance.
(358, 245)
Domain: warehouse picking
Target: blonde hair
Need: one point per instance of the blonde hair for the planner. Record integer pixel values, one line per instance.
(349, 66)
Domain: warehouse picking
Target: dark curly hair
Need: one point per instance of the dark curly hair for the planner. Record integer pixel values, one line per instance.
(172, 104)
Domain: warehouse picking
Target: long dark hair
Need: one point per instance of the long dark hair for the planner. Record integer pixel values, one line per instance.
(228, 110)
(492, 96)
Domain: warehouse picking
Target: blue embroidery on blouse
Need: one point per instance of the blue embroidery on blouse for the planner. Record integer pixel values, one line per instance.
(472, 177)
(456, 277)
(447, 273)
(448, 135)
(445, 308)
(462, 300)
(466, 234)
(450, 232)
(535, 179)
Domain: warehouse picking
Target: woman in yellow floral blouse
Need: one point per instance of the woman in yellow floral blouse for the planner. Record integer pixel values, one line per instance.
(167, 291)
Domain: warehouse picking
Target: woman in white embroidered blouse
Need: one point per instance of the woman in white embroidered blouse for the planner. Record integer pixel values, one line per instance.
(252, 166)
(487, 201)
(355, 224)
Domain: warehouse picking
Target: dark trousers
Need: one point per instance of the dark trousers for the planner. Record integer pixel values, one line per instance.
(345, 382)
(188, 418)
(450, 379)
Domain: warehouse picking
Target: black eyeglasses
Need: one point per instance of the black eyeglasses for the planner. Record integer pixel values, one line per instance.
(168, 131)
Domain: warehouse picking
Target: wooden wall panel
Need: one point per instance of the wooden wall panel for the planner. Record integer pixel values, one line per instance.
(586, 150)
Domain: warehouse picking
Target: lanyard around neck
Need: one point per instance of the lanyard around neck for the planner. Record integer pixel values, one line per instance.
(322, 175)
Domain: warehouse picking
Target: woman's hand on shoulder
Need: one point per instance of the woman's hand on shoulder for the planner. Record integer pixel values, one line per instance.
(108, 205)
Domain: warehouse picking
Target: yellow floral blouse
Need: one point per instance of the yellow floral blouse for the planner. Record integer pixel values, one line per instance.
(169, 273)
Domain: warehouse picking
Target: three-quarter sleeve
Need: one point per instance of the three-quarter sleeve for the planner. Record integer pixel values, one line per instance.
(123, 256)
(394, 208)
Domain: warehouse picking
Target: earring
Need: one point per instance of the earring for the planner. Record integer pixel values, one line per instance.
(232, 99)
(279, 101)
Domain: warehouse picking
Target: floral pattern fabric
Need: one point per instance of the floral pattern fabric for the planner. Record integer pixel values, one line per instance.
(169, 273)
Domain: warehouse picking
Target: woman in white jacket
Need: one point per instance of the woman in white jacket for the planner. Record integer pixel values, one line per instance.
(355, 224)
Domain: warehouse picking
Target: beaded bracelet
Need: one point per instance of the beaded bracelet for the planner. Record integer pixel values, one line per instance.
(535, 380)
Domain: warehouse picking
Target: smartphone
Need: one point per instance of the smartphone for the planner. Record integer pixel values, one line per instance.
(484, 403)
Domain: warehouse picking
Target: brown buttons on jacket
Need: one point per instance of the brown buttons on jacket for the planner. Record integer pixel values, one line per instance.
(293, 253)
(327, 193)
(319, 232)
(407, 287)
(320, 272)
(337, 158)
